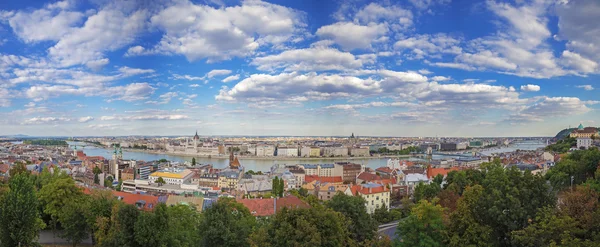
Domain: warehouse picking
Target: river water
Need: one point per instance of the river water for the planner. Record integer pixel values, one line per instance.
(261, 164)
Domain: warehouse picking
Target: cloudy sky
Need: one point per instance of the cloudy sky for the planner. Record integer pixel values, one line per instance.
(314, 67)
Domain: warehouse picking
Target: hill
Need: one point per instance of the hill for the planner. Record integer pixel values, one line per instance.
(564, 133)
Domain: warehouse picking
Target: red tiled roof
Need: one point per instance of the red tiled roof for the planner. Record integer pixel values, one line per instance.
(365, 176)
(365, 191)
(259, 207)
(291, 202)
(4, 168)
(432, 172)
(310, 178)
(129, 198)
(384, 169)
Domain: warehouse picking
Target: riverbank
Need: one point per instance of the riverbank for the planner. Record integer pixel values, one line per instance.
(277, 158)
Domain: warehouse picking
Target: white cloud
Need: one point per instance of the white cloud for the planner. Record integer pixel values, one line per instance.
(310, 59)
(46, 120)
(218, 72)
(397, 17)
(231, 78)
(188, 77)
(530, 88)
(201, 31)
(145, 117)
(547, 107)
(440, 78)
(48, 23)
(426, 4)
(97, 64)
(85, 119)
(135, 51)
(429, 46)
(107, 30)
(586, 87)
(194, 85)
(361, 38)
(579, 63)
(577, 24)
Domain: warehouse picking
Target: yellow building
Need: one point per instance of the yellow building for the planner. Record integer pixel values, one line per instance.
(375, 195)
(172, 176)
(229, 179)
(315, 152)
(587, 132)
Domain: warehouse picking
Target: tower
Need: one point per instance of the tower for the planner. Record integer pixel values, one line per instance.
(120, 152)
(114, 156)
(196, 139)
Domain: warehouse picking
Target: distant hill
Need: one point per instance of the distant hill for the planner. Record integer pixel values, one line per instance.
(564, 133)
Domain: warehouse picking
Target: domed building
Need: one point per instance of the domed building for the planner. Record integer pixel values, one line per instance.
(584, 132)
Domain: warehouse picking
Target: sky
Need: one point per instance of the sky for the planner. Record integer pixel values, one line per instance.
(314, 67)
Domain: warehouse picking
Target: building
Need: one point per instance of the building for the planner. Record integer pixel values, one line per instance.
(265, 150)
(127, 174)
(323, 170)
(176, 176)
(335, 151)
(587, 132)
(228, 179)
(287, 151)
(192, 201)
(208, 180)
(143, 171)
(350, 171)
(360, 152)
(584, 142)
(255, 186)
(326, 191)
(305, 151)
(375, 195)
(434, 146)
(315, 152)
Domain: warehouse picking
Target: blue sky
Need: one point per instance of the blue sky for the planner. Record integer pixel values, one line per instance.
(380, 68)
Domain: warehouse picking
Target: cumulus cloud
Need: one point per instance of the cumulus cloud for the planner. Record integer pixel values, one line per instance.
(46, 120)
(550, 107)
(231, 78)
(530, 88)
(361, 38)
(218, 72)
(199, 31)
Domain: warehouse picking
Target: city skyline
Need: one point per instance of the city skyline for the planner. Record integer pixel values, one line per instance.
(306, 68)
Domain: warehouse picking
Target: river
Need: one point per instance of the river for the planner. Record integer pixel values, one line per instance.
(260, 164)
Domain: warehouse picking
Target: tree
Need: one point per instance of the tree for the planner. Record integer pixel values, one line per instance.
(424, 226)
(384, 215)
(151, 229)
(55, 195)
(18, 168)
(361, 225)
(303, 192)
(96, 179)
(193, 161)
(183, 225)
(227, 223)
(19, 217)
(303, 227)
(465, 229)
(97, 170)
(72, 218)
(160, 181)
(119, 229)
(426, 191)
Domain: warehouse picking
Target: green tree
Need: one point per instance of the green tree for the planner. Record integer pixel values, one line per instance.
(303, 227)
(72, 218)
(384, 215)
(160, 181)
(193, 161)
(424, 226)
(55, 195)
(227, 223)
(19, 216)
(151, 228)
(18, 168)
(361, 225)
(119, 229)
(97, 170)
(425, 191)
(464, 228)
(183, 226)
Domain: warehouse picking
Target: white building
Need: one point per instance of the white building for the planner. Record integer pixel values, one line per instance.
(548, 156)
(375, 195)
(287, 151)
(305, 151)
(265, 150)
(335, 151)
(584, 142)
(360, 152)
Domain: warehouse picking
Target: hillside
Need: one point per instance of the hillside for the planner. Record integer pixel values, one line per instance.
(564, 133)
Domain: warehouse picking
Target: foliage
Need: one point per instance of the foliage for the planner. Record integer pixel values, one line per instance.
(384, 215)
(361, 225)
(424, 226)
(277, 187)
(18, 168)
(193, 161)
(226, 223)
(160, 180)
(425, 191)
(72, 218)
(151, 229)
(562, 146)
(386, 151)
(46, 142)
(464, 229)
(303, 227)
(183, 226)
(581, 165)
(54, 196)
(118, 230)
(19, 217)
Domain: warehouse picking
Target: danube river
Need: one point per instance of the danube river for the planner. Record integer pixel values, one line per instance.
(261, 164)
